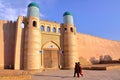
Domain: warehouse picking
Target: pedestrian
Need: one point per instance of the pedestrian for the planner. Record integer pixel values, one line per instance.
(76, 69)
(80, 70)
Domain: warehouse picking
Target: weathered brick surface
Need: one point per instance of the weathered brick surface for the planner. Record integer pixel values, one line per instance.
(7, 42)
(19, 77)
(92, 48)
(14, 75)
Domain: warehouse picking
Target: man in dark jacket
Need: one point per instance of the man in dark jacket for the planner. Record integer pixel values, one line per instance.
(76, 69)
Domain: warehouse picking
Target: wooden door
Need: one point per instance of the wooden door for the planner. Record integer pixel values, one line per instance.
(47, 59)
(55, 58)
(51, 58)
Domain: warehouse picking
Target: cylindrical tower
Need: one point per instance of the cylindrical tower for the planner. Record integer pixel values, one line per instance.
(69, 39)
(32, 39)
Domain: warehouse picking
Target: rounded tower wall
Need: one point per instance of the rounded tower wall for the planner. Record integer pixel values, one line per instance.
(70, 49)
(33, 22)
(32, 39)
(32, 48)
(68, 34)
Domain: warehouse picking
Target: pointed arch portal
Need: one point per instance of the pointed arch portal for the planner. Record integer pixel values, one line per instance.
(51, 56)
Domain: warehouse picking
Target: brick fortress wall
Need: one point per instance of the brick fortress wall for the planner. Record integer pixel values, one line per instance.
(7, 43)
(95, 49)
(90, 48)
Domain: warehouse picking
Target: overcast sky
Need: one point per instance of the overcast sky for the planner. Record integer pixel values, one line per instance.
(94, 17)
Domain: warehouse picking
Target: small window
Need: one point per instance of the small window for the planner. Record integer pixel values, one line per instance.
(22, 25)
(42, 28)
(48, 29)
(65, 29)
(58, 30)
(54, 29)
(34, 23)
(71, 29)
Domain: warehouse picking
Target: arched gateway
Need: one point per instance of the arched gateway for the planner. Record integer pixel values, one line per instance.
(51, 56)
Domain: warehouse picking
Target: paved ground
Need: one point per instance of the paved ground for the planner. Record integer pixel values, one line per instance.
(68, 75)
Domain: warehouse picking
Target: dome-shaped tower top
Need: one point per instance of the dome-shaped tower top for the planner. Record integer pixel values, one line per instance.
(67, 13)
(68, 18)
(33, 10)
(33, 4)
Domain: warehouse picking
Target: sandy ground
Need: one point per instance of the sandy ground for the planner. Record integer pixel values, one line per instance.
(68, 75)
